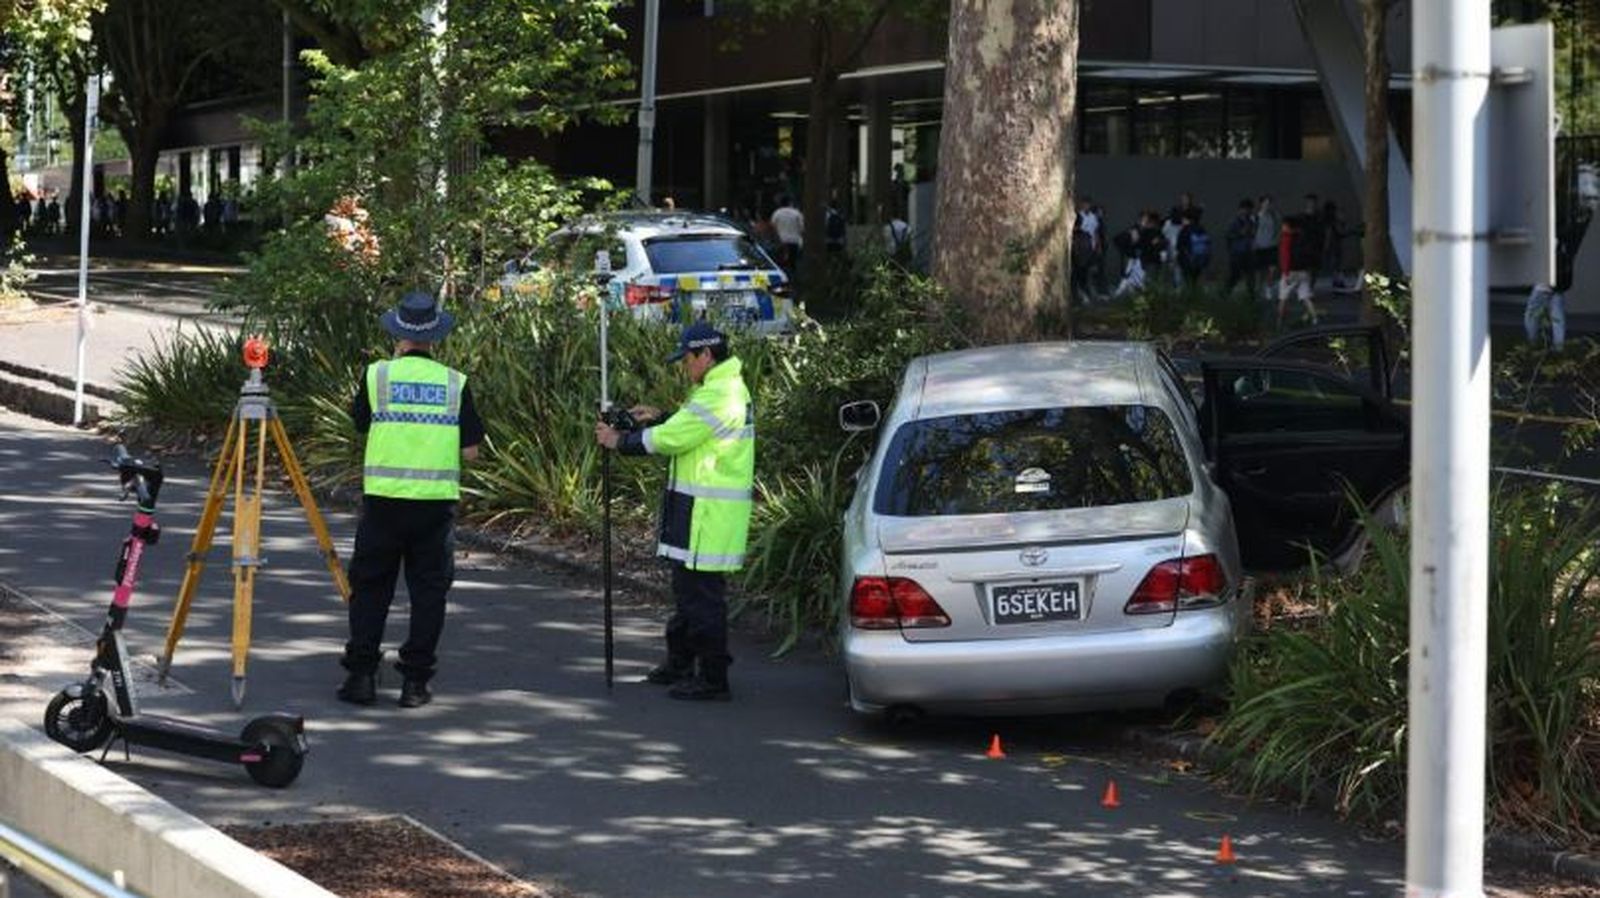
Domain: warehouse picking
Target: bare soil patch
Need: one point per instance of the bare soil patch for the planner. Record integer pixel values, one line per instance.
(386, 858)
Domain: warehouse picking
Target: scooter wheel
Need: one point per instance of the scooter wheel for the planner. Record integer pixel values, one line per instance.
(284, 755)
(78, 722)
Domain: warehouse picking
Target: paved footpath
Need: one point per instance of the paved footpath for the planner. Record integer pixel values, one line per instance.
(525, 757)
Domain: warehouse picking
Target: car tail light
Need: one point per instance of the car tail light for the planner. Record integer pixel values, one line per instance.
(1180, 584)
(641, 294)
(887, 603)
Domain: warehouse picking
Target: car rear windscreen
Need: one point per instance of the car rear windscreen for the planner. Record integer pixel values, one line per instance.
(1032, 460)
(713, 252)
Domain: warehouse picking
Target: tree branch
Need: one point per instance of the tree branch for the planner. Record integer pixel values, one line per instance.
(854, 56)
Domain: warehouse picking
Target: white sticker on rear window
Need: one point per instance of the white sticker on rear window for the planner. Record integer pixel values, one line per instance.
(1033, 480)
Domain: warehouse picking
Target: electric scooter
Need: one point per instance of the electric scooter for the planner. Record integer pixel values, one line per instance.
(102, 709)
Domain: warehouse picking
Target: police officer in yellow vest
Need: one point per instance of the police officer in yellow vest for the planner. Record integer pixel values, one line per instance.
(420, 423)
(705, 512)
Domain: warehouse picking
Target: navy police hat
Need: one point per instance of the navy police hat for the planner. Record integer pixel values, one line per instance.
(418, 318)
(697, 336)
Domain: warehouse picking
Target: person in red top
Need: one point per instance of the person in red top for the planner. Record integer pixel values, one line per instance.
(1296, 259)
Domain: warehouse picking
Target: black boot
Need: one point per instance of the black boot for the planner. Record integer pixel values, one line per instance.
(359, 688)
(414, 694)
(669, 672)
(709, 684)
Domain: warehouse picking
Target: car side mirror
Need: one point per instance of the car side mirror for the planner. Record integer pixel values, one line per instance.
(855, 417)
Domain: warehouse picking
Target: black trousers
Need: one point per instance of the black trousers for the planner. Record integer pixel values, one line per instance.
(697, 631)
(420, 535)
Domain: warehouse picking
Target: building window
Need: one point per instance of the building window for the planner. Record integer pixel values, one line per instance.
(1246, 134)
(1201, 120)
(1318, 140)
(1155, 123)
(1104, 119)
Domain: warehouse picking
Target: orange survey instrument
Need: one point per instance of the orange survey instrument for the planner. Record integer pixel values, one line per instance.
(255, 353)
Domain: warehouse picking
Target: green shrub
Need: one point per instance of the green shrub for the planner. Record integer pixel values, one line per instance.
(1326, 707)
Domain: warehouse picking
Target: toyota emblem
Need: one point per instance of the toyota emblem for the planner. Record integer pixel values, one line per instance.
(1033, 556)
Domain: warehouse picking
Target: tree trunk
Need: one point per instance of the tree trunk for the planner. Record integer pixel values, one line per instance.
(8, 219)
(1003, 223)
(1375, 201)
(819, 122)
(74, 105)
(142, 158)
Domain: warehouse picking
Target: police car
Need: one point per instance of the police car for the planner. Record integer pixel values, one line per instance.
(669, 266)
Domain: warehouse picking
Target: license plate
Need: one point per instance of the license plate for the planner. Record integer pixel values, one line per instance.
(1033, 603)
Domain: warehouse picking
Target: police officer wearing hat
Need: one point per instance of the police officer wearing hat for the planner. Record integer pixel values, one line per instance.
(705, 511)
(420, 423)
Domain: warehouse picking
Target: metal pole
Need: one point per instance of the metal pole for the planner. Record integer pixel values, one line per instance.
(1449, 452)
(647, 98)
(286, 163)
(91, 109)
(605, 480)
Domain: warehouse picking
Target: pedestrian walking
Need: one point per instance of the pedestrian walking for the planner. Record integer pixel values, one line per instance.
(1241, 238)
(1194, 247)
(897, 239)
(836, 229)
(1297, 257)
(705, 509)
(1269, 227)
(1546, 301)
(789, 224)
(420, 422)
(1333, 232)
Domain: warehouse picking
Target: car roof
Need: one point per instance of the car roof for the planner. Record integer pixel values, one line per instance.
(649, 224)
(1039, 375)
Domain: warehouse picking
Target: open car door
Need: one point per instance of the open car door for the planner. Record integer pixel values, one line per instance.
(1291, 442)
(1358, 352)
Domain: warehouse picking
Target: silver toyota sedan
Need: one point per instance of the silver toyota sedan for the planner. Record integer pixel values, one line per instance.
(1041, 528)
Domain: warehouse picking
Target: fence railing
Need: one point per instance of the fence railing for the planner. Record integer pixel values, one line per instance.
(55, 871)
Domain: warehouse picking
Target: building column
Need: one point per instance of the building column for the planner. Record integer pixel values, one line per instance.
(880, 152)
(714, 154)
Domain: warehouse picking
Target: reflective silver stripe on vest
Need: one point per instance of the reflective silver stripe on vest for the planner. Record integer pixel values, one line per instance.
(453, 393)
(704, 414)
(648, 440)
(718, 429)
(713, 492)
(676, 554)
(383, 387)
(411, 473)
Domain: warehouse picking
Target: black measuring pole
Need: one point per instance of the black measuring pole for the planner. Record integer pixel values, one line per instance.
(605, 555)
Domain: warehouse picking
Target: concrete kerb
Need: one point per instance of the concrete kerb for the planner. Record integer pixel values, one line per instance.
(1517, 850)
(109, 824)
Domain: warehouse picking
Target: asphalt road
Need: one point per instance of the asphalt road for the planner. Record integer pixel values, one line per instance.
(525, 758)
(182, 291)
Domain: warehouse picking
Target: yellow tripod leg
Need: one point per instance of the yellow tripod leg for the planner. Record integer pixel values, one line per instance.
(246, 554)
(216, 495)
(302, 489)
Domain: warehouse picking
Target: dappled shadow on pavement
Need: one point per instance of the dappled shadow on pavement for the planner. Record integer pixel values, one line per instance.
(527, 759)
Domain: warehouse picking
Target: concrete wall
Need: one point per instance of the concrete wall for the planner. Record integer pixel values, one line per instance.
(108, 824)
(1251, 33)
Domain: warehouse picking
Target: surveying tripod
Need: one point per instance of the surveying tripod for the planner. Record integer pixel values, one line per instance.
(255, 417)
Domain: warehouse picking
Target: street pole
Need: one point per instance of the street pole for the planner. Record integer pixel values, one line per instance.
(286, 164)
(91, 110)
(647, 98)
(1449, 451)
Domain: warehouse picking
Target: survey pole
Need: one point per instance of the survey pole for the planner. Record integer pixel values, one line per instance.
(91, 110)
(1449, 450)
(647, 99)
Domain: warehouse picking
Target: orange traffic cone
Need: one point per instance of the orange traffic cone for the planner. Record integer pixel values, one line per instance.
(995, 751)
(1110, 799)
(1225, 853)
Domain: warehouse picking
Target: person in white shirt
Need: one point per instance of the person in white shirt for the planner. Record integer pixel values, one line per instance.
(896, 236)
(790, 226)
